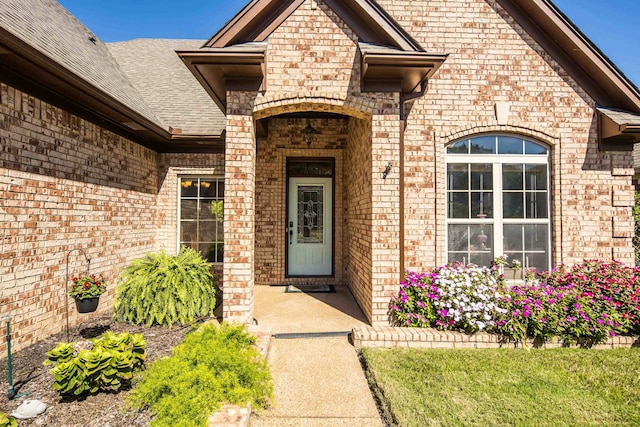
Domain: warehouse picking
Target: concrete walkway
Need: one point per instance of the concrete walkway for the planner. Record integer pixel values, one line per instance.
(316, 372)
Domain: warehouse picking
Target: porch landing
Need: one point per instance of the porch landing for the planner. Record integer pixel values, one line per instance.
(318, 379)
(288, 313)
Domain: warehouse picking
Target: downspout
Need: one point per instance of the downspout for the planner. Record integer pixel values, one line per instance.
(404, 99)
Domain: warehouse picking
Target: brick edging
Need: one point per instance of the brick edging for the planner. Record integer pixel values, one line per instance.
(391, 337)
(239, 416)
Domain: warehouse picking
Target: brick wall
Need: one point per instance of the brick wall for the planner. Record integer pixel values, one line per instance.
(239, 209)
(313, 50)
(65, 184)
(492, 59)
(358, 214)
(385, 207)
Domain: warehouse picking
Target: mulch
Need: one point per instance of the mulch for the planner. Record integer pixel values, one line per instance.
(99, 410)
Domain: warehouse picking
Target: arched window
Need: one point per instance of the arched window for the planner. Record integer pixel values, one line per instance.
(498, 201)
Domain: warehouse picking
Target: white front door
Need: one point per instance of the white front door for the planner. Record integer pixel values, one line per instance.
(310, 227)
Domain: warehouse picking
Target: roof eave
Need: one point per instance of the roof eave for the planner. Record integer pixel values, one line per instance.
(226, 69)
(44, 72)
(399, 71)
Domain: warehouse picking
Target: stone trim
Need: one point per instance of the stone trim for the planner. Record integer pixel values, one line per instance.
(392, 337)
(279, 103)
(514, 128)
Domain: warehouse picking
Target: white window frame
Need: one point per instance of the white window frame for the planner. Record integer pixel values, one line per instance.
(498, 222)
(217, 178)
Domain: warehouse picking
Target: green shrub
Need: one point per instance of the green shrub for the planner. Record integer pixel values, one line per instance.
(163, 289)
(7, 421)
(108, 365)
(211, 367)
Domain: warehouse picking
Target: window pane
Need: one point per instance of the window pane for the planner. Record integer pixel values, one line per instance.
(482, 205)
(538, 262)
(189, 209)
(460, 257)
(483, 145)
(512, 205)
(219, 252)
(208, 188)
(536, 177)
(481, 238)
(458, 236)
(481, 177)
(536, 237)
(533, 148)
(537, 204)
(512, 177)
(460, 147)
(208, 231)
(458, 206)
(220, 189)
(509, 145)
(188, 232)
(211, 210)
(458, 177)
(208, 251)
(481, 259)
(512, 238)
(188, 187)
(514, 256)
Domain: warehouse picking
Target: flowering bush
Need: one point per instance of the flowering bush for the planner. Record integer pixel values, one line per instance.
(606, 299)
(530, 311)
(586, 303)
(449, 297)
(86, 287)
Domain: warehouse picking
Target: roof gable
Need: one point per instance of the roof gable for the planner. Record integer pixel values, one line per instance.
(562, 39)
(366, 18)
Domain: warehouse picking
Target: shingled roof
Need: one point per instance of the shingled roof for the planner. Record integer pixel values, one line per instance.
(49, 28)
(167, 86)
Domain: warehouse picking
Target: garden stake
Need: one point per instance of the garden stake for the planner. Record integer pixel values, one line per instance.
(11, 393)
(66, 282)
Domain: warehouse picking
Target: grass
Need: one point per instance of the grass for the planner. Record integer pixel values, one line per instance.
(489, 387)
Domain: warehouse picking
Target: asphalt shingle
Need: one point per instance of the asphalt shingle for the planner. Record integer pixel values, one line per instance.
(167, 85)
(51, 29)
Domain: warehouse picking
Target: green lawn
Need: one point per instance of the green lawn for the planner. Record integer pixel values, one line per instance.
(560, 387)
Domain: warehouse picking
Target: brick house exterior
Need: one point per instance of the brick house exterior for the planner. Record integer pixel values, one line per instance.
(101, 145)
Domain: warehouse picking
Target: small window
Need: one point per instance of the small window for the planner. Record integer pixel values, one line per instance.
(498, 201)
(201, 211)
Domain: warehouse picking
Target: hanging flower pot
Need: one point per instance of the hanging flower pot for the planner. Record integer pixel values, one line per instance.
(88, 305)
(86, 291)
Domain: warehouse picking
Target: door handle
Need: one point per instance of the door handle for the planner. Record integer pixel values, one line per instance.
(290, 230)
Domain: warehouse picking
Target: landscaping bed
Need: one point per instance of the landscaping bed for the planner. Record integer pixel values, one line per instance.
(103, 409)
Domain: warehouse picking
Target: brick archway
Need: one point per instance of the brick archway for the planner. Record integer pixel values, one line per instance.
(352, 106)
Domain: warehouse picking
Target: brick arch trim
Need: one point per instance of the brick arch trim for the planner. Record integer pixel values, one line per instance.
(358, 107)
(520, 129)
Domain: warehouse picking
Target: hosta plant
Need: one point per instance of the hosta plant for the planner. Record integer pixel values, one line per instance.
(104, 363)
(163, 289)
(7, 421)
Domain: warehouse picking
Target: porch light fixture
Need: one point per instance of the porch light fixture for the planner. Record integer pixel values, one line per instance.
(309, 131)
(387, 170)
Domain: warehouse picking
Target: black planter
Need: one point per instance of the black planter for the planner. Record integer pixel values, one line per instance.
(88, 305)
